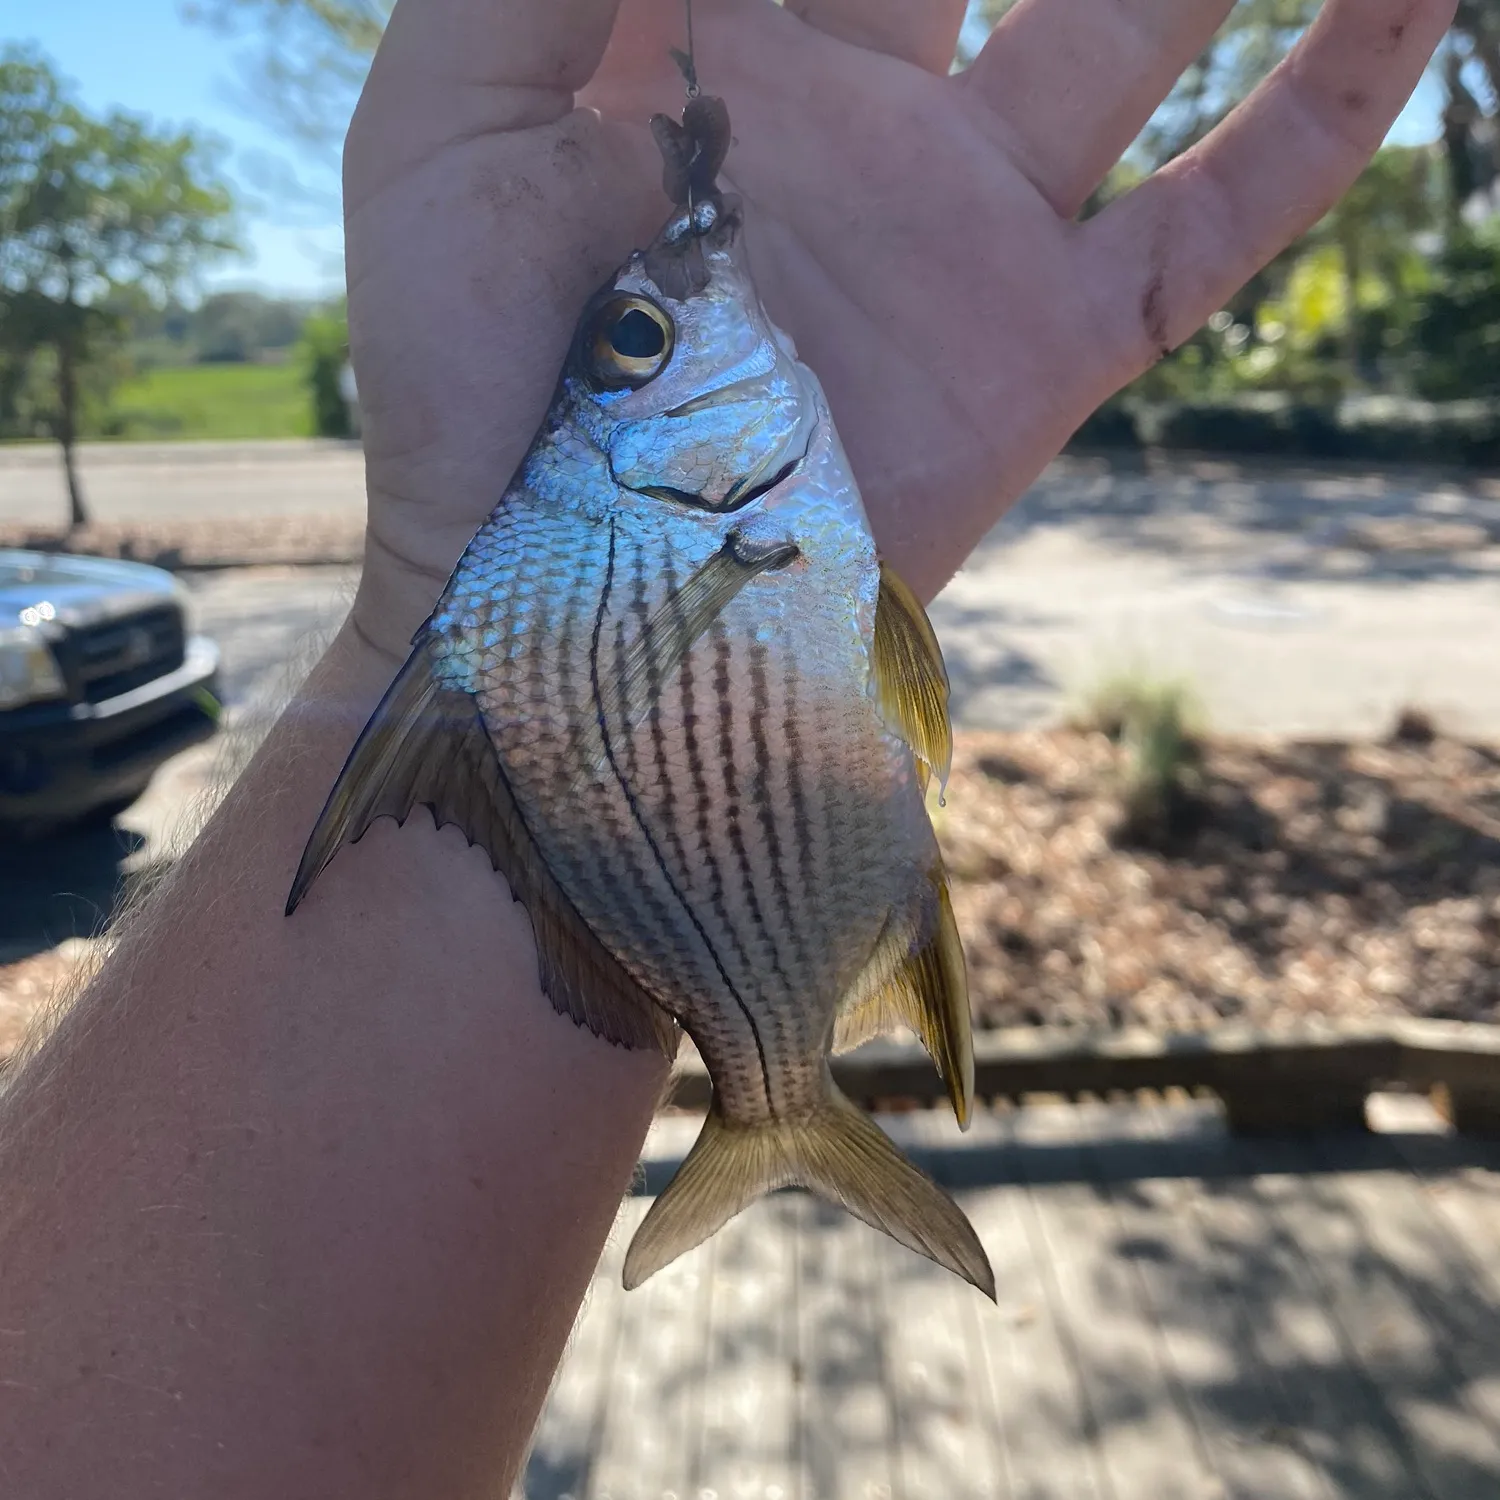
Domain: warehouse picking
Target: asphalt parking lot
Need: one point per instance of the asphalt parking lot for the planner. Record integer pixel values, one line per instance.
(1292, 601)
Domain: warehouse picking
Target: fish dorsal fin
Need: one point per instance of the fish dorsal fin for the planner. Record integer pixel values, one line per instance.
(917, 978)
(426, 744)
(911, 682)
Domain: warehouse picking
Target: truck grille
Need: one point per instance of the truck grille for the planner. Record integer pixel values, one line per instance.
(102, 661)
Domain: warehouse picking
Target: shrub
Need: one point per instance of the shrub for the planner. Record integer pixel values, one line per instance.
(1156, 727)
(1360, 429)
(1457, 328)
(1269, 423)
(325, 349)
(1113, 425)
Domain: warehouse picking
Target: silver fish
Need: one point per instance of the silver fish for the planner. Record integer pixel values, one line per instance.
(673, 691)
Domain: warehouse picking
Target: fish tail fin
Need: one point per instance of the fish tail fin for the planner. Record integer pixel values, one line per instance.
(840, 1154)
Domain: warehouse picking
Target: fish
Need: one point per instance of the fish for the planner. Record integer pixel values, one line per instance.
(692, 715)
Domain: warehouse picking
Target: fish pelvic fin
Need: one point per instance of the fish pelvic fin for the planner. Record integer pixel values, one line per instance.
(426, 745)
(840, 1154)
(918, 979)
(911, 682)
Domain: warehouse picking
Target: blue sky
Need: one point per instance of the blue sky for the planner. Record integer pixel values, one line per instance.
(144, 55)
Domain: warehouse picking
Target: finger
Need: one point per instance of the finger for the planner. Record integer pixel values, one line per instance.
(1075, 81)
(1202, 226)
(447, 69)
(924, 32)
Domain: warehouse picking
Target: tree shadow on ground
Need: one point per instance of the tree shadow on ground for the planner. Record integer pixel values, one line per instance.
(1181, 1312)
(1378, 851)
(990, 677)
(1296, 878)
(66, 884)
(1293, 523)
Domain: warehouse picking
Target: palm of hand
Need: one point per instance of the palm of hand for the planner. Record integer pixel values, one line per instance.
(907, 230)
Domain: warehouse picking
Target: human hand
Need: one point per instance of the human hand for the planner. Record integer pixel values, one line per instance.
(912, 231)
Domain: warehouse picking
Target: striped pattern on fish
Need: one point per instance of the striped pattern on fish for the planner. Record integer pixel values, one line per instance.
(673, 691)
(760, 820)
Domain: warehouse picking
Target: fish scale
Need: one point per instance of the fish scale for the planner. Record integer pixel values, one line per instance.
(674, 692)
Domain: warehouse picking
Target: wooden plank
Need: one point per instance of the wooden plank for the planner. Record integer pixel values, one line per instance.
(844, 1430)
(1421, 1260)
(1149, 1447)
(939, 1385)
(651, 1416)
(1041, 1420)
(1382, 1331)
(1335, 1414)
(745, 1448)
(558, 1466)
(1461, 1181)
(1207, 1320)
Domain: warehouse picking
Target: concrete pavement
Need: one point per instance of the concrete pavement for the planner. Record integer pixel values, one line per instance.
(185, 481)
(1294, 599)
(1295, 602)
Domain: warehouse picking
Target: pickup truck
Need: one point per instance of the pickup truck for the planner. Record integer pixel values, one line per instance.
(100, 682)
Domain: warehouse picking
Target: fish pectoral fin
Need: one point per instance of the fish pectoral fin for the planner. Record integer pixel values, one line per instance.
(426, 744)
(840, 1154)
(669, 633)
(911, 682)
(919, 979)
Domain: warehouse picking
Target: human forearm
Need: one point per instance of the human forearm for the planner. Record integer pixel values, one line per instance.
(304, 1206)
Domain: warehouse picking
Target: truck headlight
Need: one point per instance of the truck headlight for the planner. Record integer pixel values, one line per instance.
(28, 669)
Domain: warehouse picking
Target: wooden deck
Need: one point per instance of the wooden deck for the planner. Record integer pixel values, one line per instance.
(1184, 1315)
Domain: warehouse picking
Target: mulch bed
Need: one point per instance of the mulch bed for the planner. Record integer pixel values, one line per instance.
(1307, 880)
(222, 542)
(1350, 881)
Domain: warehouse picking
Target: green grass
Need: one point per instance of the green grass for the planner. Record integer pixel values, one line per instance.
(212, 401)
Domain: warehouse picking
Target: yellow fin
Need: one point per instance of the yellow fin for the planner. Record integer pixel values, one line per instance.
(911, 681)
(917, 978)
(427, 744)
(838, 1153)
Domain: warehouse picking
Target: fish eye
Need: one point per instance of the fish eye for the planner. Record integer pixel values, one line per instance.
(629, 343)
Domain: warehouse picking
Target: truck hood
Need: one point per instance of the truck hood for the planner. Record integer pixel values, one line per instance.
(80, 590)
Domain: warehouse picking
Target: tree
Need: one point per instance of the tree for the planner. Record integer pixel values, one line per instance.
(1261, 32)
(310, 60)
(1458, 326)
(313, 56)
(93, 213)
(237, 326)
(1375, 228)
(325, 353)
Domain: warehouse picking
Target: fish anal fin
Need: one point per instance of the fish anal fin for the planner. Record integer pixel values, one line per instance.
(840, 1154)
(917, 978)
(911, 682)
(426, 745)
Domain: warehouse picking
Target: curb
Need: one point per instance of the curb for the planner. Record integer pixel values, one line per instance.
(1270, 1082)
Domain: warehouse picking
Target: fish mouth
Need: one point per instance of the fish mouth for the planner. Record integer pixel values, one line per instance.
(744, 491)
(778, 467)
